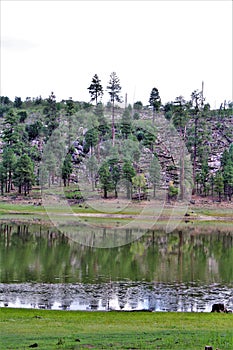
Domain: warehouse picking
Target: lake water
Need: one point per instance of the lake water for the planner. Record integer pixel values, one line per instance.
(186, 270)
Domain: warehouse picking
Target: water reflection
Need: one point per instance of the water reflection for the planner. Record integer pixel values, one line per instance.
(187, 270)
(116, 296)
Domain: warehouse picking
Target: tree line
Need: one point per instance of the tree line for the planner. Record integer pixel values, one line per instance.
(27, 126)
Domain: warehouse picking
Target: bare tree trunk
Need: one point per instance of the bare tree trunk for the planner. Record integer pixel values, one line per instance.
(113, 124)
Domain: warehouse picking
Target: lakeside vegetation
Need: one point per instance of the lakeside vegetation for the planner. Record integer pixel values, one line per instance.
(179, 146)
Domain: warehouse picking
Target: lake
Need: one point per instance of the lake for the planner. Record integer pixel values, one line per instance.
(186, 270)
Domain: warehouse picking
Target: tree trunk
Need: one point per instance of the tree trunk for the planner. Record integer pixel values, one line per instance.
(154, 190)
(195, 150)
(2, 188)
(113, 124)
(182, 161)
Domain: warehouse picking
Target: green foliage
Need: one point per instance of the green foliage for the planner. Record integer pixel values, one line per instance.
(114, 88)
(172, 191)
(11, 133)
(50, 112)
(126, 124)
(18, 102)
(128, 172)
(91, 139)
(155, 173)
(67, 169)
(136, 116)
(219, 184)
(96, 89)
(155, 101)
(139, 183)
(180, 114)
(138, 105)
(105, 178)
(22, 116)
(24, 174)
(99, 110)
(34, 130)
(8, 162)
(3, 177)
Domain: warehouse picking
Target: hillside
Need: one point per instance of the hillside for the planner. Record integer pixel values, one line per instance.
(186, 140)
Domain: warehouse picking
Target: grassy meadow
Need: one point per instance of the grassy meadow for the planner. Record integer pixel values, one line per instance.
(49, 329)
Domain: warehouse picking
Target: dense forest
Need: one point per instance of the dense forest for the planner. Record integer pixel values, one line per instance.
(118, 144)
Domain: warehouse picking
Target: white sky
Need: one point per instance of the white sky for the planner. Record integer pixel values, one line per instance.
(172, 45)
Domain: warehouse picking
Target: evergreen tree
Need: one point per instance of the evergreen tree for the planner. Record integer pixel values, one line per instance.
(155, 173)
(180, 119)
(219, 184)
(24, 174)
(197, 101)
(115, 172)
(228, 179)
(105, 178)
(95, 89)
(155, 101)
(114, 90)
(3, 177)
(50, 111)
(11, 130)
(91, 140)
(8, 162)
(128, 172)
(18, 102)
(92, 166)
(139, 182)
(67, 169)
(126, 124)
(70, 110)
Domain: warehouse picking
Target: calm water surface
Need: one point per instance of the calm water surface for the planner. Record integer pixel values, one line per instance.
(187, 270)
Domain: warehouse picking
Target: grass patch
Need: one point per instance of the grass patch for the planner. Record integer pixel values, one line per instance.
(21, 328)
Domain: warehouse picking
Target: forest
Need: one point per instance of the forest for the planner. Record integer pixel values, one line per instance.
(44, 141)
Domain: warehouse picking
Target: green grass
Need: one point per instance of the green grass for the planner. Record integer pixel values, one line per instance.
(114, 330)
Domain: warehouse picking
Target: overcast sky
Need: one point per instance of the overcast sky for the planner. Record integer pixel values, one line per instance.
(172, 45)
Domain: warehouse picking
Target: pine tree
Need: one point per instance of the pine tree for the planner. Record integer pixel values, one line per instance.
(219, 184)
(114, 90)
(128, 172)
(105, 178)
(3, 177)
(8, 161)
(155, 101)
(50, 112)
(95, 89)
(24, 174)
(67, 169)
(11, 131)
(139, 182)
(126, 124)
(155, 173)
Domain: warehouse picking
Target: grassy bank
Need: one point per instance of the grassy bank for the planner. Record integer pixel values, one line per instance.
(21, 328)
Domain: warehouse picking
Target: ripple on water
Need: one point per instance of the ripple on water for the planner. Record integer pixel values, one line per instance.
(124, 295)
